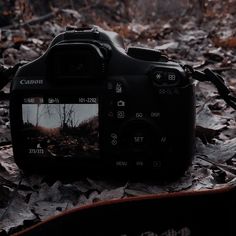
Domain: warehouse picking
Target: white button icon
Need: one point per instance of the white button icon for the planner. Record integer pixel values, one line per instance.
(138, 139)
(171, 77)
(121, 103)
(163, 139)
(139, 115)
(120, 114)
(122, 163)
(158, 76)
(114, 135)
(156, 164)
(114, 142)
(155, 114)
(114, 138)
(118, 88)
(139, 163)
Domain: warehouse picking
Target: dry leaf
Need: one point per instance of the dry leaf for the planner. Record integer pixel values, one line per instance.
(219, 152)
(15, 214)
(228, 42)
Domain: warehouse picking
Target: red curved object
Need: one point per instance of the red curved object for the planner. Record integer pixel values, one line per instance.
(200, 213)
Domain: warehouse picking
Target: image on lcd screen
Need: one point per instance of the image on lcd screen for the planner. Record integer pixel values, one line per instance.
(68, 130)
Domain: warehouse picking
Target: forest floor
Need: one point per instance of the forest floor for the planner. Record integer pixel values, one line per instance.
(203, 40)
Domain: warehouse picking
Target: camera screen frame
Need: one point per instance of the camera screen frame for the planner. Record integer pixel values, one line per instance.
(41, 106)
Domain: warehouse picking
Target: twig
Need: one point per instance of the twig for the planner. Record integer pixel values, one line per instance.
(228, 169)
(34, 21)
(220, 69)
(214, 69)
(5, 182)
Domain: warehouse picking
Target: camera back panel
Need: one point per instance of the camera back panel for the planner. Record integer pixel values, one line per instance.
(110, 110)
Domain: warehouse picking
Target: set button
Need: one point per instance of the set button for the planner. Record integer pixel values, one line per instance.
(138, 137)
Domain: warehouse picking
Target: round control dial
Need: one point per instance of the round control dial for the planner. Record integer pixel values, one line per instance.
(140, 137)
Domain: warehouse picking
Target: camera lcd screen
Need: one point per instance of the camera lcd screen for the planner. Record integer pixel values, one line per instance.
(61, 127)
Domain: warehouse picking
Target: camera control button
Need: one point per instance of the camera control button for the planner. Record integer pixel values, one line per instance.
(139, 163)
(113, 139)
(136, 139)
(159, 77)
(119, 88)
(139, 138)
(121, 103)
(155, 115)
(172, 78)
(121, 164)
(120, 115)
(115, 87)
(114, 142)
(156, 164)
(114, 136)
(139, 115)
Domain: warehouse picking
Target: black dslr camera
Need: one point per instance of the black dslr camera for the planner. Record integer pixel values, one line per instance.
(90, 106)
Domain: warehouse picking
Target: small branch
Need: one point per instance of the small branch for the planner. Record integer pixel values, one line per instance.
(7, 183)
(228, 169)
(220, 69)
(34, 21)
(214, 69)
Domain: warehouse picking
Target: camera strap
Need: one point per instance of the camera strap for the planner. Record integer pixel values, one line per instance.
(216, 79)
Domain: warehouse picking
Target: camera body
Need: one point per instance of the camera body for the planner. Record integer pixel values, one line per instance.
(87, 105)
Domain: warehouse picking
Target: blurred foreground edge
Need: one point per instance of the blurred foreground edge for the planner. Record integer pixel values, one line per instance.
(203, 212)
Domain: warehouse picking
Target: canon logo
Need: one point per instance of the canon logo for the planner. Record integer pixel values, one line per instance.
(31, 82)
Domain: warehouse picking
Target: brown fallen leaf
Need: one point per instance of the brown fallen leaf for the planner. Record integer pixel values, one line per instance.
(227, 43)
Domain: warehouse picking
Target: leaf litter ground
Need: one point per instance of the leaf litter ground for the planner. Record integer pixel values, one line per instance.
(30, 199)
